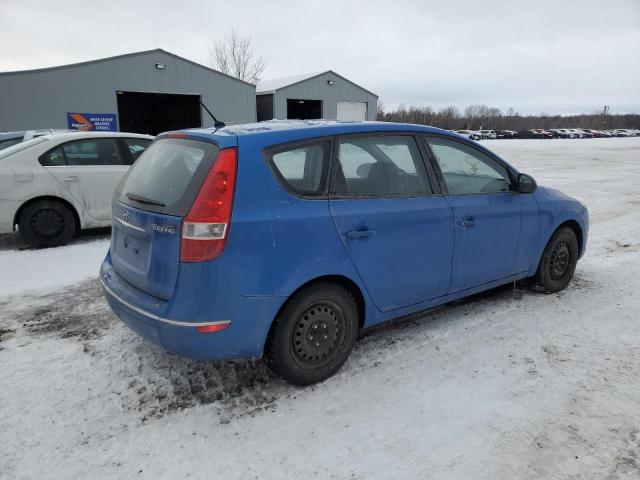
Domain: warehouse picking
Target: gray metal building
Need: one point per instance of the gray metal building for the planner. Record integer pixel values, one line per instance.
(145, 92)
(318, 95)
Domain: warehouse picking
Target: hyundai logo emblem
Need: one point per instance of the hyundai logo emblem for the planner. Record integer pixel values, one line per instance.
(125, 215)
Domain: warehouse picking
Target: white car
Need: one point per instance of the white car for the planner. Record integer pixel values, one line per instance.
(623, 132)
(578, 133)
(470, 134)
(54, 185)
(490, 134)
(561, 132)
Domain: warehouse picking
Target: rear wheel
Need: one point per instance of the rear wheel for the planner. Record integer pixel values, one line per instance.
(558, 262)
(47, 223)
(313, 335)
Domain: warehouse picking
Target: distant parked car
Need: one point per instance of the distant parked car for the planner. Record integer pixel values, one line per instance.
(594, 133)
(580, 133)
(213, 231)
(470, 134)
(529, 134)
(545, 133)
(490, 134)
(604, 133)
(507, 133)
(623, 132)
(561, 133)
(53, 185)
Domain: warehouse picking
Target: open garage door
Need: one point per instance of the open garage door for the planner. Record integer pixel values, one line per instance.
(300, 109)
(153, 113)
(352, 111)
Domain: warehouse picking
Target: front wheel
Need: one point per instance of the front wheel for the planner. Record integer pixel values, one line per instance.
(558, 262)
(47, 223)
(313, 335)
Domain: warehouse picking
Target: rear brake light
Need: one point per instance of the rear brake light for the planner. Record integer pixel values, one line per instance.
(177, 135)
(205, 229)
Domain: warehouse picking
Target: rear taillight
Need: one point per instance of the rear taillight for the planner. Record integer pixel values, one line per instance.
(205, 229)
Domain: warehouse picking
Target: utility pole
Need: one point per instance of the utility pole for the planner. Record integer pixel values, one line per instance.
(605, 110)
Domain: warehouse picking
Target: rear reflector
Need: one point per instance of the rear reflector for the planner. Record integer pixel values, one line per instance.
(205, 229)
(216, 327)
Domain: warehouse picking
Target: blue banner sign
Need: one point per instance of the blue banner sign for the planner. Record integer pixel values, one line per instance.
(92, 122)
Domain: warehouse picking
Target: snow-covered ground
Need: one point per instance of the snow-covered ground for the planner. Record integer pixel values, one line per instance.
(498, 387)
(45, 270)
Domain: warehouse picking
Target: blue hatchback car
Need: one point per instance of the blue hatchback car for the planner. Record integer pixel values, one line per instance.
(285, 238)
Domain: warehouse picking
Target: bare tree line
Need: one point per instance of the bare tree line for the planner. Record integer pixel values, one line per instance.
(476, 117)
(234, 55)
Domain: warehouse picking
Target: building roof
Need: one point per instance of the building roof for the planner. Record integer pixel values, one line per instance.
(274, 84)
(270, 86)
(116, 57)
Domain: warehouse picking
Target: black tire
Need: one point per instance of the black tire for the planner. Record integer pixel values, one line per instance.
(313, 335)
(558, 262)
(47, 223)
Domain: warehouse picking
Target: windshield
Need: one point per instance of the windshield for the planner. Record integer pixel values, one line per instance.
(22, 146)
(168, 175)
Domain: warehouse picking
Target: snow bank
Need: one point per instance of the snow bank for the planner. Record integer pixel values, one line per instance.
(45, 270)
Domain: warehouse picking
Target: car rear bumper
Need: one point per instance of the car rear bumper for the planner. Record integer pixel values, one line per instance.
(244, 338)
(176, 323)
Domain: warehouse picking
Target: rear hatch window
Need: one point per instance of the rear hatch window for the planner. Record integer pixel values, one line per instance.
(167, 177)
(151, 201)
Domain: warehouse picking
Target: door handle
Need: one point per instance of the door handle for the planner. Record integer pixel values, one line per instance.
(361, 233)
(467, 221)
(70, 179)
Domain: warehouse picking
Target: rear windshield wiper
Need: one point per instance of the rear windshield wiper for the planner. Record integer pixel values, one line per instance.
(140, 199)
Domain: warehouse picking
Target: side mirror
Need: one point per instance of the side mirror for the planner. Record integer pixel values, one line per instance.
(526, 183)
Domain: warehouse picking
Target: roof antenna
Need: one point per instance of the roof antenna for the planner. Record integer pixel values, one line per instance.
(216, 123)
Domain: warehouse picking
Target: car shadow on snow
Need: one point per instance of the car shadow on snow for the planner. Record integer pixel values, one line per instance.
(154, 383)
(13, 241)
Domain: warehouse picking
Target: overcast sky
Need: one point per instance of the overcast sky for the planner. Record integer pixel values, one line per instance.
(543, 55)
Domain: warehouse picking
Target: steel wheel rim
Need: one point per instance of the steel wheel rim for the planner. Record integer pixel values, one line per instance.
(560, 260)
(318, 333)
(47, 223)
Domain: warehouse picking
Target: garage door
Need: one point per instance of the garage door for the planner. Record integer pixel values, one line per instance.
(152, 113)
(352, 111)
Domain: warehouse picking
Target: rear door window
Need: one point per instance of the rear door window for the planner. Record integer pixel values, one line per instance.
(303, 168)
(380, 166)
(53, 158)
(98, 151)
(167, 176)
